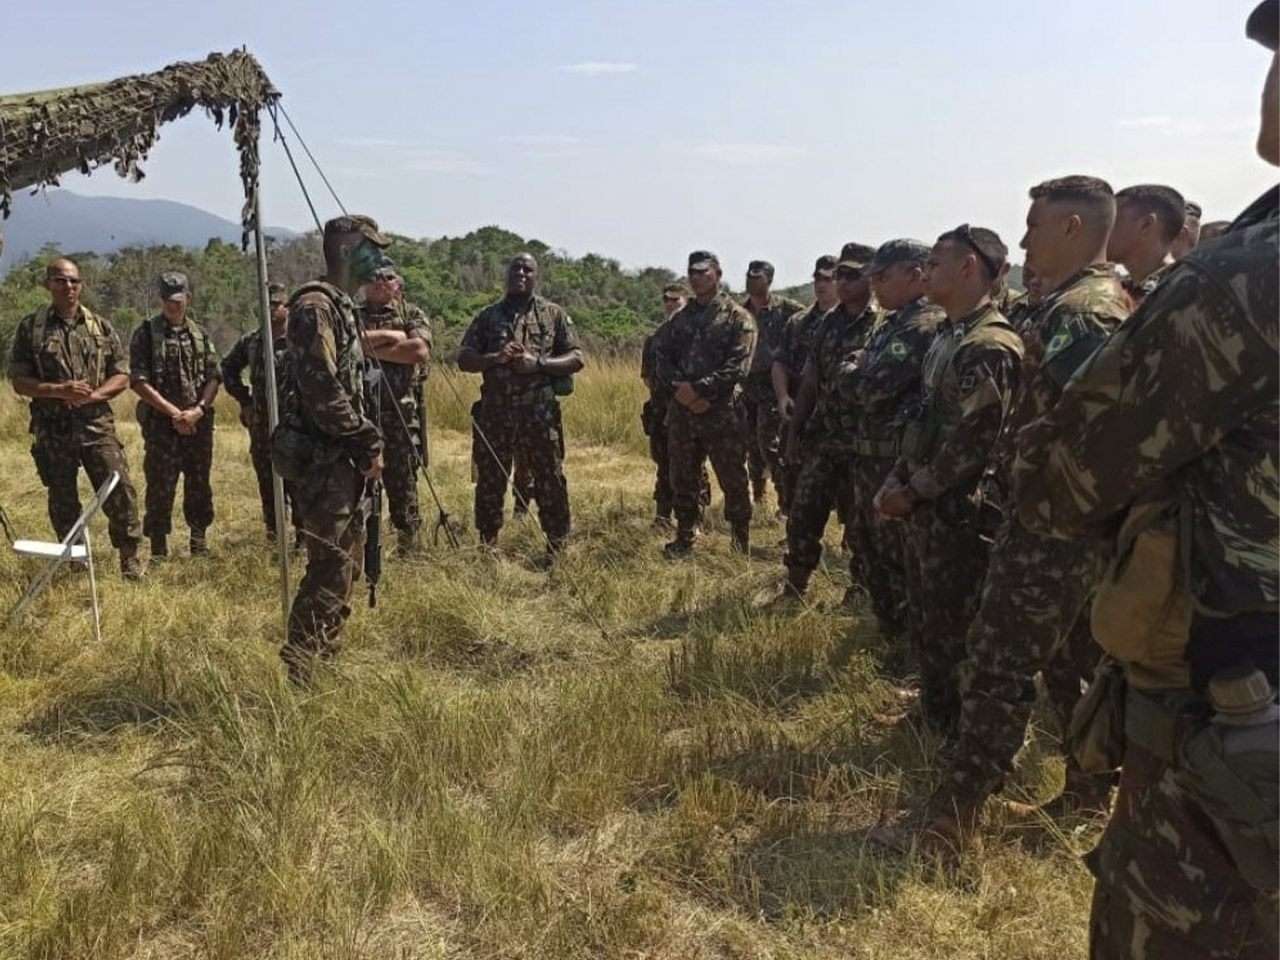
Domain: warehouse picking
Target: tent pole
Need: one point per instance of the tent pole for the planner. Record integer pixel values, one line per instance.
(273, 404)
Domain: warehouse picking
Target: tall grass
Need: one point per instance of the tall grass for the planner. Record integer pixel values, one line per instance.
(621, 758)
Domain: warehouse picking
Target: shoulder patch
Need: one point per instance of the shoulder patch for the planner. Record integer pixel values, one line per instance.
(897, 349)
(1059, 342)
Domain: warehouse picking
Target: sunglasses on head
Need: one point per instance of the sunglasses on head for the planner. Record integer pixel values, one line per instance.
(965, 235)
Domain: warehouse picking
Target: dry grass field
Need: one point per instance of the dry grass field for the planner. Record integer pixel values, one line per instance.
(624, 757)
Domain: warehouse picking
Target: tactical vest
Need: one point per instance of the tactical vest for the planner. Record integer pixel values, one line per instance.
(46, 334)
(349, 359)
(157, 327)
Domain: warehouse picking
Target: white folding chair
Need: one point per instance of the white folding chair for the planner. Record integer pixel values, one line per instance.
(75, 547)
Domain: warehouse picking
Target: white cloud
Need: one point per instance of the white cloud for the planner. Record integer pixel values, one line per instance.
(741, 154)
(430, 160)
(548, 140)
(1143, 122)
(367, 143)
(599, 68)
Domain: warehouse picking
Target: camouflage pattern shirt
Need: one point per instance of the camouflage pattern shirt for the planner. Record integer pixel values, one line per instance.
(1143, 288)
(649, 363)
(709, 346)
(545, 330)
(879, 383)
(180, 367)
(967, 381)
(796, 340)
(50, 349)
(247, 352)
(326, 368)
(771, 322)
(838, 335)
(402, 378)
(1185, 393)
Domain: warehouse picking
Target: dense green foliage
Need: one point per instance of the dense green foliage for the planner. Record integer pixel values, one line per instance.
(450, 278)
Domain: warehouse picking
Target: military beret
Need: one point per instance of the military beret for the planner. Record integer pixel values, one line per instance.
(1264, 24)
(174, 286)
(357, 223)
(824, 266)
(760, 268)
(903, 250)
(856, 255)
(703, 260)
(277, 292)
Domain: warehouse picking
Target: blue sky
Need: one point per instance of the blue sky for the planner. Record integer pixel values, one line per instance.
(643, 130)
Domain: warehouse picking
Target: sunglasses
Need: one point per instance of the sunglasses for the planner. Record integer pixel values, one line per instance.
(65, 281)
(849, 273)
(965, 234)
(669, 298)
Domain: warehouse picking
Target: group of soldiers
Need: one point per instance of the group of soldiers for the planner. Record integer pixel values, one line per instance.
(1026, 483)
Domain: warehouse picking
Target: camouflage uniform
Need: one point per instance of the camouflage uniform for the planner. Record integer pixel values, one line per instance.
(1139, 291)
(877, 388)
(396, 407)
(710, 347)
(53, 350)
(519, 414)
(1172, 426)
(968, 378)
(1036, 587)
(654, 420)
(760, 406)
(325, 398)
(826, 447)
(792, 351)
(247, 352)
(178, 362)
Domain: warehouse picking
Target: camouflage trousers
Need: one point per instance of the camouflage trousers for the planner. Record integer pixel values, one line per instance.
(660, 454)
(1166, 888)
(825, 483)
(764, 449)
(400, 475)
(168, 456)
(694, 438)
(260, 455)
(757, 465)
(1035, 592)
(58, 460)
(531, 437)
(332, 510)
(946, 562)
(878, 561)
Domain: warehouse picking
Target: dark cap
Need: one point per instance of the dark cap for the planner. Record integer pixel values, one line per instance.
(703, 260)
(824, 266)
(1264, 24)
(856, 255)
(357, 223)
(760, 268)
(174, 286)
(902, 250)
(277, 293)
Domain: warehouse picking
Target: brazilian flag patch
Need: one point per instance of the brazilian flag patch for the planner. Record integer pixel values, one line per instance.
(897, 349)
(1060, 341)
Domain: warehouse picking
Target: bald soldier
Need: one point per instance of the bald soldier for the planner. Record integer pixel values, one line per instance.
(70, 363)
(1149, 218)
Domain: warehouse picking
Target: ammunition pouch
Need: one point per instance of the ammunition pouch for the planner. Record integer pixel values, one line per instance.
(1096, 733)
(562, 386)
(918, 440)
(295, 451)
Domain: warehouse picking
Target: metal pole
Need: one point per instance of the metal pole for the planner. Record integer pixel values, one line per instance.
(273, 405)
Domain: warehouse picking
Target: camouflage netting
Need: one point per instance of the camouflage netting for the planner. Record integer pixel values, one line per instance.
(46, 134)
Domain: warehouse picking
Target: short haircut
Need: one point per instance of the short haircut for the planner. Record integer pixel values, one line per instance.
(985, 244)
(1165, 203)
(677, 287)
(1090, 195)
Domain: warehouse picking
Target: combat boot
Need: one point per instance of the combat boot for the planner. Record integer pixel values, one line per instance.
(1083, 795)
(680, 547)
(956, 830)
(130, 565)
(199, 545)
(740, 539)
(408, 542)
(159, 549)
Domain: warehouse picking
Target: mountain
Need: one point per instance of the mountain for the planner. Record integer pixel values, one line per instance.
(105, 224)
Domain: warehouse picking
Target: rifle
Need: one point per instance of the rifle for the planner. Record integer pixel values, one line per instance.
(373, 541)
(420, 399)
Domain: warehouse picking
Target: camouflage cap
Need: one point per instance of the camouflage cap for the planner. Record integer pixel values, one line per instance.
(703, 260)
(824, 266)
(902, 250)
(760, 268)
(1264, 24)
(174, 286)
(856, 255)
(357, 223)
(678, 287)
(277, 293)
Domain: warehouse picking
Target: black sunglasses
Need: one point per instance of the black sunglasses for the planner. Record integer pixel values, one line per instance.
(66, 281)
(964, 233)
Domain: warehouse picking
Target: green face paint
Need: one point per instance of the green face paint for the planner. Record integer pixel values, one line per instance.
(364, 259)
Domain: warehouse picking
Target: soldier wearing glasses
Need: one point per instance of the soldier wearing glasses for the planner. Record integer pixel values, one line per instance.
(71, 364)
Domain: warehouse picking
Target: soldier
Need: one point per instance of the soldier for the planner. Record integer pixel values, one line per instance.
(394, 393)
(702, 359)
(654, 415)
(340, 451)
(247, 352)
(1036, 587)
(1025, 305)
(1188, 864)
(967, 382)
(70, 363)
(1213, 230)
(176, 374)
(1149, 218)
(771, 314)
(1189, 235)
(879, 382)
(820, 440)
(527, 350)
(789, 358)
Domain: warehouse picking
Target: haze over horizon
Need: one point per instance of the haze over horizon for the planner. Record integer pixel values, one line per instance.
(643, 132)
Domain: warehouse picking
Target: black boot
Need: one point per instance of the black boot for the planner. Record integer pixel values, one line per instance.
(199, 546)
(159, 548)
(740, 541)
